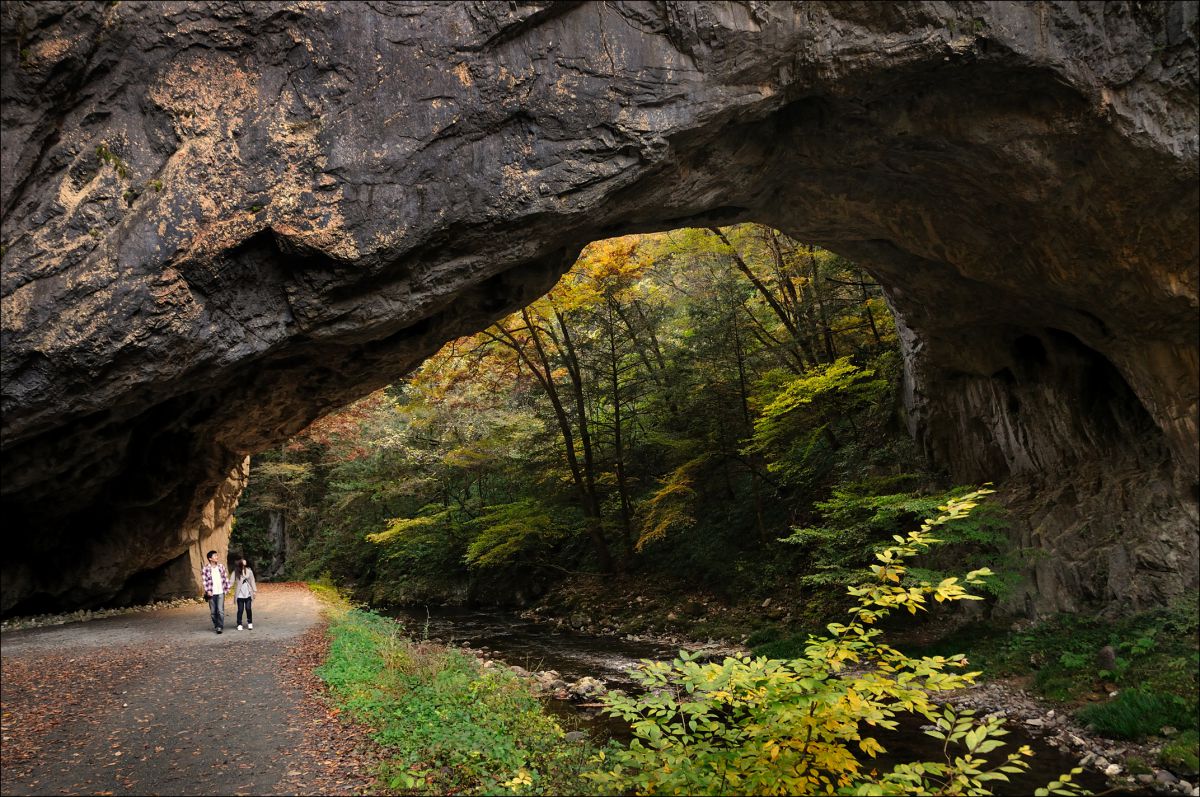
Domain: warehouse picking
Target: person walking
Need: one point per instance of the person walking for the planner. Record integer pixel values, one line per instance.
(243, 579)
(216, 584)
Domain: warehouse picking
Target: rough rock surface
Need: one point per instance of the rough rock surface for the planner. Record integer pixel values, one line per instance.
(221, 220)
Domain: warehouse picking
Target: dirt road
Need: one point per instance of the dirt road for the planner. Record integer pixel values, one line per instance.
(156, 703)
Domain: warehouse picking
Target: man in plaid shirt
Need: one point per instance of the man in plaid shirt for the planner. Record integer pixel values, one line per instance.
(216, 584)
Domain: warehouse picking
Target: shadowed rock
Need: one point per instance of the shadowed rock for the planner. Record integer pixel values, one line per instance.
(222, 220)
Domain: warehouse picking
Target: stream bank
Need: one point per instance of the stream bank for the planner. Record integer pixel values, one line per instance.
(572, 669)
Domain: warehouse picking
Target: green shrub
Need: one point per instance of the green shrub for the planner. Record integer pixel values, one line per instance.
(1135, 713)
(1156, 653)
(762, 636)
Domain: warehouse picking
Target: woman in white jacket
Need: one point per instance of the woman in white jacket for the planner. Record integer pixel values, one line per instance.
(243, 580)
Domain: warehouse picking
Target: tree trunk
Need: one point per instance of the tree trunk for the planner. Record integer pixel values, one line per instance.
(780, 311)
(870, 316)
(755, 490)
(543, 373)
(618, 448)
(827, 332)
(277, 530)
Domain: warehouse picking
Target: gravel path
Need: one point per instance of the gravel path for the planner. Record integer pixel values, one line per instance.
(157, 703)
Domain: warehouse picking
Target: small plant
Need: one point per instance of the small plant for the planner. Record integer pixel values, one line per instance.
(108, 156)
(157, 185)
(1182, 754)
(255, 208)
(95, 233)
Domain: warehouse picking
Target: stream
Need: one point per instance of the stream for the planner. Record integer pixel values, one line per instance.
(535, 646)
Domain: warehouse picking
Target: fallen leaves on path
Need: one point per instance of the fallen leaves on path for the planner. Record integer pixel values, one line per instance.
(44, 698)
(337, 755)
(186, 714)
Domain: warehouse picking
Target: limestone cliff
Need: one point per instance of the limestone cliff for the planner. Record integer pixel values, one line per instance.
(221, 220)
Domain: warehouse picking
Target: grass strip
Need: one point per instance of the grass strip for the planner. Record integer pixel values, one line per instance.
(450, 725)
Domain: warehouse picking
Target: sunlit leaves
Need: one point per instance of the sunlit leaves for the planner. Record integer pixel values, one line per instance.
(507, 530)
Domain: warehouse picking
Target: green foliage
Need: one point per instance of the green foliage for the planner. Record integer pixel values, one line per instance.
(448, 725)
(671, 508)
(1157, 663)
(507, 531)
(788, 647)
(766, 726)
(1136, 713)
(856, 522)
(802, 422)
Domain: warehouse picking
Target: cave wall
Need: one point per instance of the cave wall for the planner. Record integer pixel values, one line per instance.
(223, 220)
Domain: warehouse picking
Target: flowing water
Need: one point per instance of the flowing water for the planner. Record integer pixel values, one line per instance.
(537, 646)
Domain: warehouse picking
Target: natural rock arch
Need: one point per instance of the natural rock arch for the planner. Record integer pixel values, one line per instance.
(221, 221)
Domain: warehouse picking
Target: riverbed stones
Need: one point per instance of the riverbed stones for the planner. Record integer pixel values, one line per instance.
(222, 221)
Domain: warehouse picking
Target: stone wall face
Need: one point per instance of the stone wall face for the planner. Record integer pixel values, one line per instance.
(221, 221)
(210, 531)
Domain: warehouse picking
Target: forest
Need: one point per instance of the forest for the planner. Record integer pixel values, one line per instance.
(718, 406)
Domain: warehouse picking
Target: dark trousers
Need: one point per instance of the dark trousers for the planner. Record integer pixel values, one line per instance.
(216, 607)
(244, 603)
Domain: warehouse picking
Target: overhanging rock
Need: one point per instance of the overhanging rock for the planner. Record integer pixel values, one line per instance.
(223, 220)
